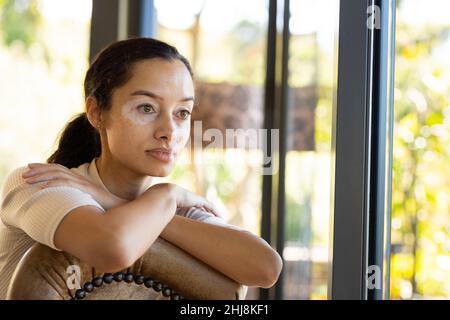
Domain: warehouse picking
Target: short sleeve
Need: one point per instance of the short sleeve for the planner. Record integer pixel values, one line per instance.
(38, 212)
(206, 217)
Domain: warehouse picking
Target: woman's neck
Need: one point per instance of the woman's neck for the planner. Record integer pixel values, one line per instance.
(121, 181)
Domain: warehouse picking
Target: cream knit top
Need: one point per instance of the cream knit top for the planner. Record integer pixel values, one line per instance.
(29, 214)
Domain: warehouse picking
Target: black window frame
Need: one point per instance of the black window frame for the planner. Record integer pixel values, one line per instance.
(362, 132)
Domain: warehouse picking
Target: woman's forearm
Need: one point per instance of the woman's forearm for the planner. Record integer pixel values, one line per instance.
(140, 222)
(240, 255)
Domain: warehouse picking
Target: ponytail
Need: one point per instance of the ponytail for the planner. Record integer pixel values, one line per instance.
(79, 143)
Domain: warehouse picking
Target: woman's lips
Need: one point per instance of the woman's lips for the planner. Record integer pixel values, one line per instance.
(165, 156)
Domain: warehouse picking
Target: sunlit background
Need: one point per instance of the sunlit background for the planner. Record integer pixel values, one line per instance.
(420, 266)
(44, 47)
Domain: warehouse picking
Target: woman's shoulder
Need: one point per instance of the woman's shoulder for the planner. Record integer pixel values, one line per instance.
(13, 179)
(82, 169)
(17, 171)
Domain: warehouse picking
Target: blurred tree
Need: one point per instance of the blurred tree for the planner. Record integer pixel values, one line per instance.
(247, 43)
(420, 186)
(18, 21)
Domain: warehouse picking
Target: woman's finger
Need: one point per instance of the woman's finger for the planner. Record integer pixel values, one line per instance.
(54, 183)
(213, 208)
(32, 165)
(208, 207)
(56, 175)
(39, 177)
(216, 213)
(46, 165)
(46, 175)
(39, 168)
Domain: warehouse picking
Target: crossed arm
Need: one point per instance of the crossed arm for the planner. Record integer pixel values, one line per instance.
(122, 235)
(240, 255)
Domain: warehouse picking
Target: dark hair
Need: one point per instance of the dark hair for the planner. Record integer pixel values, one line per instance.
(80, 141)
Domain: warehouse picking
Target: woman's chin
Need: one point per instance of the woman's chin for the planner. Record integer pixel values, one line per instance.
(160, 172)
(157, 168)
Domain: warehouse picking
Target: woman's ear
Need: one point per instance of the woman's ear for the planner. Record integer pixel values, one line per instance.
(93, 112)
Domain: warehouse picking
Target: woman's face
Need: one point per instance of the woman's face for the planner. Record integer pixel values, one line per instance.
(151, 111)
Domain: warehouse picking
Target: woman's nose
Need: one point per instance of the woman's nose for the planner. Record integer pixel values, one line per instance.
(165, 129)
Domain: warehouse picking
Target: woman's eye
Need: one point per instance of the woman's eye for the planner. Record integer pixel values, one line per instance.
(146, 108)
(184, 114)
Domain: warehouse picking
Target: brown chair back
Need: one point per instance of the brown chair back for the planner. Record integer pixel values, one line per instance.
(163, 272)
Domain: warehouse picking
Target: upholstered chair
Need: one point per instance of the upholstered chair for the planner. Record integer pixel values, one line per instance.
(163, 272)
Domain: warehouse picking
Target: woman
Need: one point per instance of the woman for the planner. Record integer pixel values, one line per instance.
(94, 198)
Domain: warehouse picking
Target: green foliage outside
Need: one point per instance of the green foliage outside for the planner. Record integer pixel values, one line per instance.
(421, 192)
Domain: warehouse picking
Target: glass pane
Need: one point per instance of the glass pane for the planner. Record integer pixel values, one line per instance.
(420, 259)
(44, 49)
(312, 73)
(226, 43)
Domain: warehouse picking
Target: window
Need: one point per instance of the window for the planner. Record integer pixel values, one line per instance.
(44, 56)
(420, 200)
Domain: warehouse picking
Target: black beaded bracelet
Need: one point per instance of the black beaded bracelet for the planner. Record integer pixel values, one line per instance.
(128, 277)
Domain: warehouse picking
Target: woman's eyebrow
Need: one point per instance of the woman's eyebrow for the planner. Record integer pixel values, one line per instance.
(155, 96)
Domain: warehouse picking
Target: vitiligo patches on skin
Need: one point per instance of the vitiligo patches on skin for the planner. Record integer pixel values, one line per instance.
(131, 112)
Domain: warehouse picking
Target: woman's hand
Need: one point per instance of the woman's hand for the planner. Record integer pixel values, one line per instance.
(52, 174)
(185, 198)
